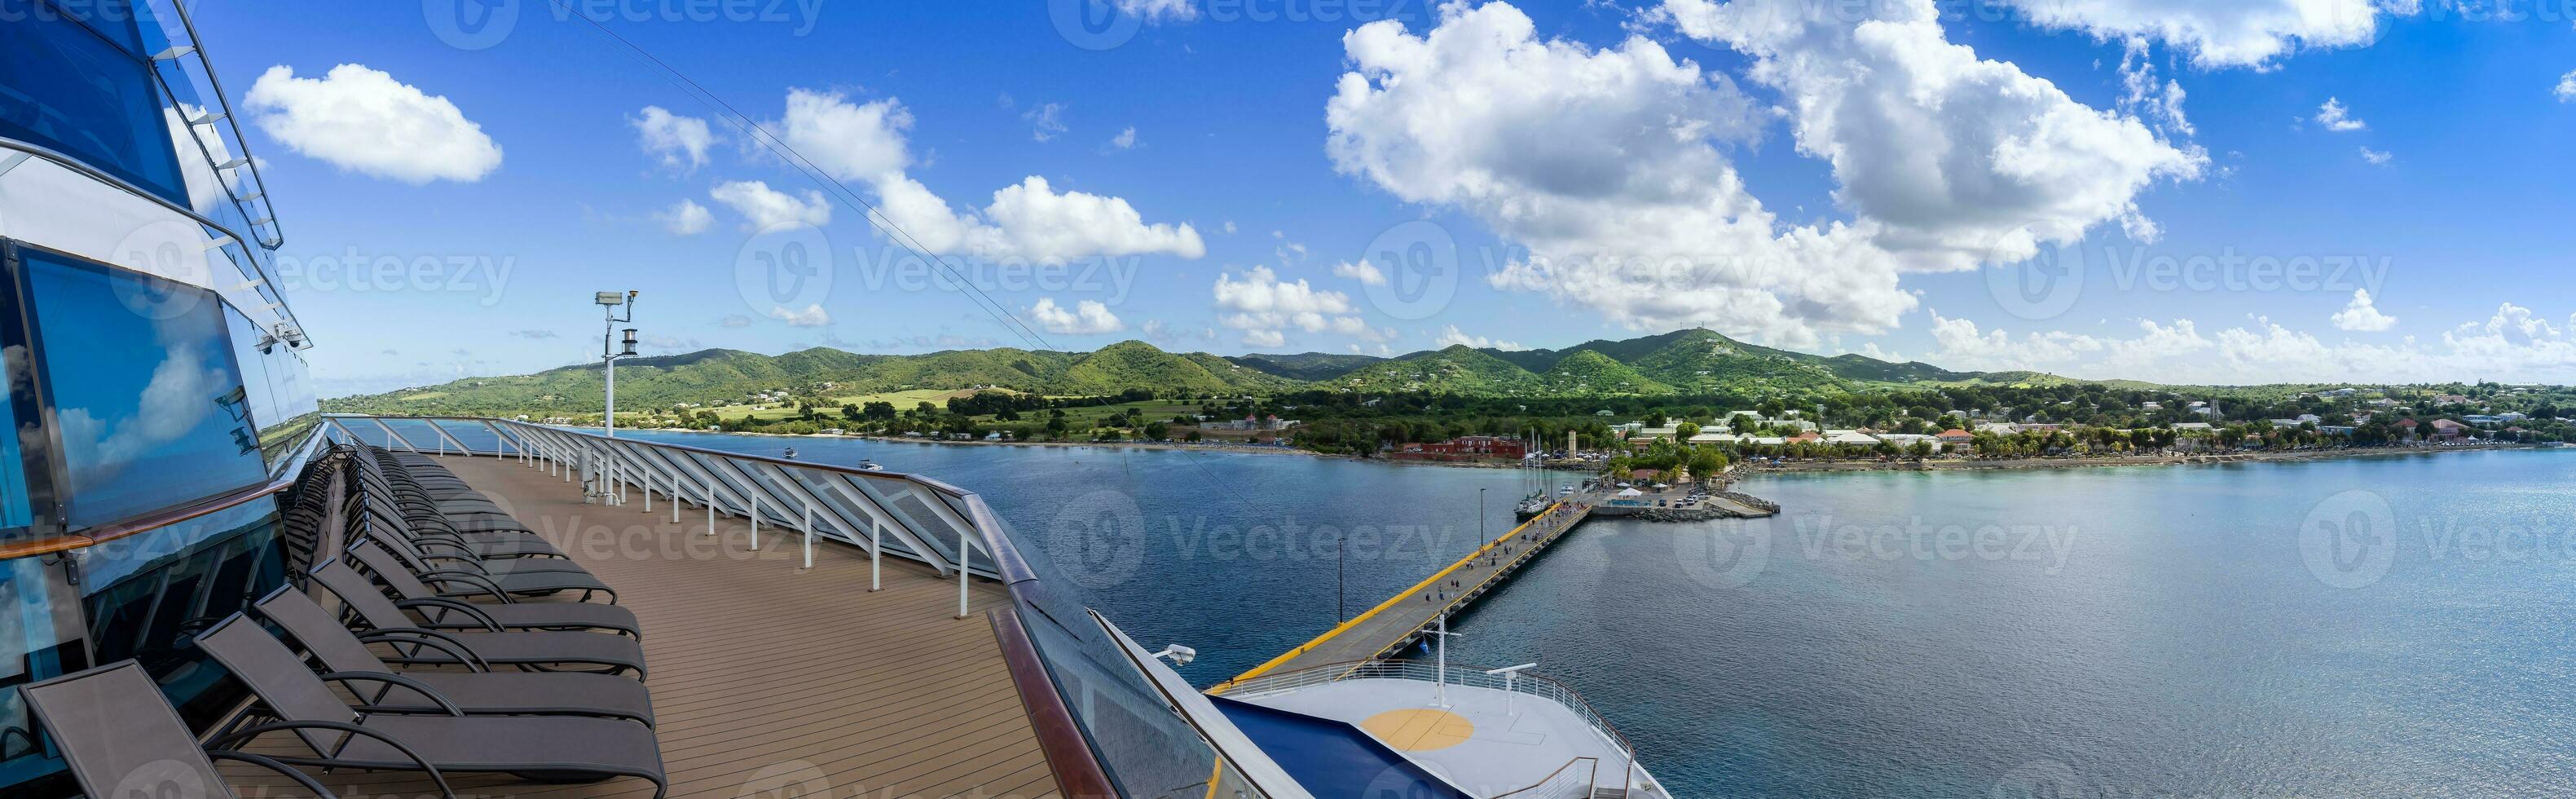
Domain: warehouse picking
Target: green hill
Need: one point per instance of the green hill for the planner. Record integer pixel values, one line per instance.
(1590, 372)
(1682, 361)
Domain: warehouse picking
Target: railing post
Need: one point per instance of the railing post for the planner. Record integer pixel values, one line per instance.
(876, 552)
(676, 499)
(648, 491)
(964, 556)
(710, 497)
(809, 536)
(755, 520)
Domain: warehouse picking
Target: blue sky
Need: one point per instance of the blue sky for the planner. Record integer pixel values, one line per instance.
(1941, 219)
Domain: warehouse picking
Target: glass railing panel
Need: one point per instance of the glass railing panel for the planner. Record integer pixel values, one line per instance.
(909, 503)
(1146, 748)
(476, 436)
(417, 434)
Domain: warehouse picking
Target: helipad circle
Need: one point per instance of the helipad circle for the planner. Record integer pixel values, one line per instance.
(1420, 729)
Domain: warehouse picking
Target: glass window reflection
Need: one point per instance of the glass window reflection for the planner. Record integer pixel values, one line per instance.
(149, 408)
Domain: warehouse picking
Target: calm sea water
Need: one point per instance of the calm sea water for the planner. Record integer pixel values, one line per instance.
(2395, 626)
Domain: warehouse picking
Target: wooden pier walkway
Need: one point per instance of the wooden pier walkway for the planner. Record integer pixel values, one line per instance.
(1402, 618)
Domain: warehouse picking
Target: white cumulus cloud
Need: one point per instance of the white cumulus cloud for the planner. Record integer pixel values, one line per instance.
(1452, 336)
(2566, 90)
(687, 218)
(764, 208)
(1364, 272)
(1088, 317)
(1264, 307)
(2338, 118)
(2377, 157)
(362, 120)
(867, 142)
(812, 316)
(681, 142)
(2362, 316)
(2223, 33)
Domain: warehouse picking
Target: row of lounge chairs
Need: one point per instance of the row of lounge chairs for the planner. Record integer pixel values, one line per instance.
(456, 640)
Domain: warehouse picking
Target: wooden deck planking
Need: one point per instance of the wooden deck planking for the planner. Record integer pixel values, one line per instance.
(766, 680)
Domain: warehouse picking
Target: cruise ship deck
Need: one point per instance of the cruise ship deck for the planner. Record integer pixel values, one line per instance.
(768, 680)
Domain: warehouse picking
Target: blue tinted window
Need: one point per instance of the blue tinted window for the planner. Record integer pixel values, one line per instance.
(67, 82)
(39, 639)
(149, 408)
(281, 402)
(146, 593)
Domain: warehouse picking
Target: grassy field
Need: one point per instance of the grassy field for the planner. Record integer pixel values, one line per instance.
(903, 400)
(1079, 418)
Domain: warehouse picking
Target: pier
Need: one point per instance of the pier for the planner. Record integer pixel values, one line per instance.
(1400, 619)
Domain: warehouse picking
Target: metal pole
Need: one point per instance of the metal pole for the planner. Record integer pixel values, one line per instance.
(709, 494)
(648, 491)
(964, 556)
(1440, 674)
(755, 521)
(676, 499)
(809, 536)
(608, 355)
(876, 548)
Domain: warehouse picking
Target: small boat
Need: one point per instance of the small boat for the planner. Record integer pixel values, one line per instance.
(791, 453)
(870, 465)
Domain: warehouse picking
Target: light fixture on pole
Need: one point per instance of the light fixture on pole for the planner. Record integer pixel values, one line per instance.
(610, 302)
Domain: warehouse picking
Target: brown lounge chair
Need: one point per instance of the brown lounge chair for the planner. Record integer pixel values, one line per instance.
(538, 649)
(478, 692)
(503, 613)
(120, 738)
(539, 748)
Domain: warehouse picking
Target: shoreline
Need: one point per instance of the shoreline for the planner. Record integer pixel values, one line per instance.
(1738, 471)
(2098, 462)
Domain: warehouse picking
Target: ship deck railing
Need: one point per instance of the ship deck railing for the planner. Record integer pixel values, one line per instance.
(1507, 680)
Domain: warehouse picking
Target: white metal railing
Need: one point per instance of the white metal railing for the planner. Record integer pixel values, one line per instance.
(1577, 779)
(881, 513)
(1500, 680)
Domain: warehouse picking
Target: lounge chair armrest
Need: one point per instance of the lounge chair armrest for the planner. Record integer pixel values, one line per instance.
(425, 542)
(413, 685)
(287, 771)
(482, 581)
(247, 733)
(489, 624)
(428, 638)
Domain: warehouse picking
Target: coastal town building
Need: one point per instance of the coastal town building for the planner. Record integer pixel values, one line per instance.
(1464, 448)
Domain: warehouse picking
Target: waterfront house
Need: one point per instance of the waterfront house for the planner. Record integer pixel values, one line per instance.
(2448, 430)
(1955, 437)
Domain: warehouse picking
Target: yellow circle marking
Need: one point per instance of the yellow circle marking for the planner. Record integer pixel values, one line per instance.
(1420, 729)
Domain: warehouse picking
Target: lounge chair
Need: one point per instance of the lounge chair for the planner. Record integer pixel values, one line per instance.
(537, 649)
(542, 748)
(462, 567)
(438, 612)
(120, 738)
(480, 691)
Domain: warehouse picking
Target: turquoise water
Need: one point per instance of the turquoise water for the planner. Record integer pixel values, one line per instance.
(2393, 626)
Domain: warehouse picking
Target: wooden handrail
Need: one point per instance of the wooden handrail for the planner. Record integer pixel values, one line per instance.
(101, 534)
(1077, 770)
